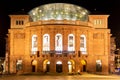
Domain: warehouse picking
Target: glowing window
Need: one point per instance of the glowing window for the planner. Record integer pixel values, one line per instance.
(34, 44)
(46, 42)
(34, 62)
(48, 62)
(58, 42)
(83, 44)
(69, 63)
(59, 62)
(71, 42)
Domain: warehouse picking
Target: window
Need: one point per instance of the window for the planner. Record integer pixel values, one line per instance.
(46, 42)
(34, 44)
(71, 42)
(97, 21)
(22, 22)
(83, 44)
(82, 39)
(19, 22)
(58, 42)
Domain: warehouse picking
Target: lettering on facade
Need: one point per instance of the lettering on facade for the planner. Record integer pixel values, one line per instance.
(19, 35)
(98, 36)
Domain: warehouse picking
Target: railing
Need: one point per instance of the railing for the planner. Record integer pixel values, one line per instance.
(58, 52)
(53, 53)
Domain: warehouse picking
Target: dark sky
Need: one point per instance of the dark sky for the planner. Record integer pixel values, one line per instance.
(7, 7)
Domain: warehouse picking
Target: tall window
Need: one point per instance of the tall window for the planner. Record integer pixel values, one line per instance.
(71, 42)
(34, 44)
(46, 42)
(58, 42)
(83, 44)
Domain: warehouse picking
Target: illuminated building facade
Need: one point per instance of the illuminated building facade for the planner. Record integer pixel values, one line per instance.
(58, 37)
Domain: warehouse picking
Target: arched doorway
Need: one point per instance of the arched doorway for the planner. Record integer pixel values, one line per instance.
(84, 63)
(59, 66)
(34, 66)
(71, 66)
(46, 66)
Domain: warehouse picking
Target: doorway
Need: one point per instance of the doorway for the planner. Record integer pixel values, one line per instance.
(34, 66)
(83, 62)
(71, 66)
(84, 68)
(46, 66)
(59, 67)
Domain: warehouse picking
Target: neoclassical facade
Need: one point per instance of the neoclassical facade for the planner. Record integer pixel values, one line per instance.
(58, 38)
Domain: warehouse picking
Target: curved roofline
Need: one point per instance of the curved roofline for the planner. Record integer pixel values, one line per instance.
(59, 11)
(61, 3)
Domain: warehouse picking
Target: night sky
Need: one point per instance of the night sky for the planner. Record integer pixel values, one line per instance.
(110, 7)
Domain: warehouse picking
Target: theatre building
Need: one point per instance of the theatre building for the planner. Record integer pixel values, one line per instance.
(58, 38)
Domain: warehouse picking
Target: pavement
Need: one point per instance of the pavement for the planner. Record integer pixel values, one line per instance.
(85, 76)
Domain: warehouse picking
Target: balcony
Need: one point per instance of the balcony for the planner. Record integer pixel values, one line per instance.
(52, 53)
(58, 52)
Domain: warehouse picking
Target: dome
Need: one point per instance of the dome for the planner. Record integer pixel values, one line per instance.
(59, 11)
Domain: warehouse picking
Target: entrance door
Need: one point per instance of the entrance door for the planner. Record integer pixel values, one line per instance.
(59, 67)
(84, 68)
(48, 68)
(69, 67)
(33, 68)
(84, 64)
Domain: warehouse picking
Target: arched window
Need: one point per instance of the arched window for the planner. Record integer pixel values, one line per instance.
(46, 42)
(58, 42)
(71, 42)
(83, 44)
(34, 44)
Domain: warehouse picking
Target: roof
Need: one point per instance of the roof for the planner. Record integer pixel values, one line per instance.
(59, 11)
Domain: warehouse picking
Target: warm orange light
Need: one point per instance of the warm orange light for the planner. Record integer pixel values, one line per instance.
(83, 62)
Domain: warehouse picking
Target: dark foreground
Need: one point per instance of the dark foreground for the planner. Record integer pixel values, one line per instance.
(60, 77)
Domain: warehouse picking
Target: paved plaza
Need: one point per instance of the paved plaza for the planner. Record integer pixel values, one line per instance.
(60, 77)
